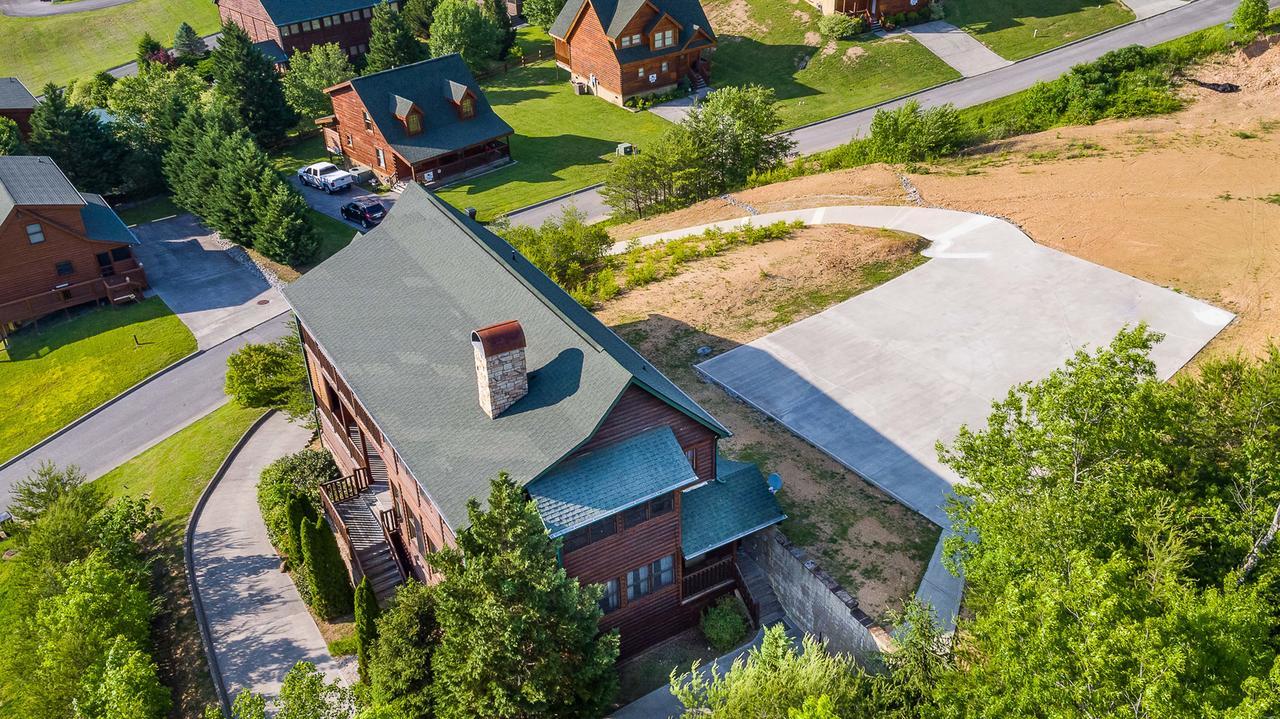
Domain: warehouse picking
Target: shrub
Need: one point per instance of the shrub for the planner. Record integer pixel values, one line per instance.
(295, 475)
(837, 26)
(298, 510)
(1251, 15)
(566, 248)
(723, 624)
(366, 625)
(400, 660)
(910, 134)
(271, 375)
(325, 573)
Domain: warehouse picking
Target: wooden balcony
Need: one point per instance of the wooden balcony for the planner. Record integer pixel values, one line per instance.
(367, 532)
(122, 281)
(711, 578)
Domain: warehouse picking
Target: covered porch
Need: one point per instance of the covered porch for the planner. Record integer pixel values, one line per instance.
(121, 280)
(456, 166)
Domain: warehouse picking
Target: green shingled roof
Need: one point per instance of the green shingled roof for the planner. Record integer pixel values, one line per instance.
(102, 223)
(395, 310)
(608, 480)
(736, 504)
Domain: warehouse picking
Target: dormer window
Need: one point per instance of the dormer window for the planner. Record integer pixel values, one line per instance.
(666, 38)
(467, 108)
(413, 123)
(629, 40)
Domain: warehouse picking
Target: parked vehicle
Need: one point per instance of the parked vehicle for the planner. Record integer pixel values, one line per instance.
(326, 176)
(367, 212)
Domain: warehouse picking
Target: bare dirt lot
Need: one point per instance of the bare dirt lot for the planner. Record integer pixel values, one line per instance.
(1190, 201)
(873, 545)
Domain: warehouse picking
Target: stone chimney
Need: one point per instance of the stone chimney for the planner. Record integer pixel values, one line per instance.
(500, 370)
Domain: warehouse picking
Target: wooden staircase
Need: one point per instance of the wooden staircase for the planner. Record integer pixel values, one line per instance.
(760, 589)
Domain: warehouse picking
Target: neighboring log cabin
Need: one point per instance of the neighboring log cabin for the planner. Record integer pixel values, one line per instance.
(439, 357)
(873, 10)
(280, 27)
(17, 103)
(428, 122)
(61, 247)
(621, 49)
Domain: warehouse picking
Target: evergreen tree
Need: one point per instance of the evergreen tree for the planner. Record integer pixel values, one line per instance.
(189, 165)
(330, 585)
(505, 599)
(400, 661)
(249, 84)
(87, 153)
(283, 230)
(11, 138)
(298, 510)
(310, 72)
(391, 41)
(418, 14)
(366, 625)
(241, 164)
(148, 48)
(187, 44)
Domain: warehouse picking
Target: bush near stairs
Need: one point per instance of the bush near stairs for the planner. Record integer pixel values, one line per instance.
(323, 570)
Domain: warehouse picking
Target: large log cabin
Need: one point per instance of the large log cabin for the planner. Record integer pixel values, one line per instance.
(60, 247)
(280, 27)
(427, 122)
(872, 10)
(626, 48)
(17, 103)
(439, 357)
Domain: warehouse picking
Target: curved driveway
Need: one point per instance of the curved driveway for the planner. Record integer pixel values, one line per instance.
(42, 8)
(967, 92)
(876, 381)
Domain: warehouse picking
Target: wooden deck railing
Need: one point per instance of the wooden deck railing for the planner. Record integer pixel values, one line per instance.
(128, 279)
(713, 576)
(753, 607)
(340, 490)
(330, 511)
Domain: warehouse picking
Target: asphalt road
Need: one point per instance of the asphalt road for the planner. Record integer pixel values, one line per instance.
(155, 410)
(962, 93)
(43, 8)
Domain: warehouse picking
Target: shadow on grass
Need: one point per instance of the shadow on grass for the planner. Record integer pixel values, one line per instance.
(78, 323)
(540, 160)
(985, 16)
(741, 60)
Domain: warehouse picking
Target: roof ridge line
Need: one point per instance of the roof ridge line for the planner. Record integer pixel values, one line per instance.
(400, 67)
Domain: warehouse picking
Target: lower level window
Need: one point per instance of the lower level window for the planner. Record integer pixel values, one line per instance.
(65, 268)
(382, 159)
(650, 578)
(611, 599)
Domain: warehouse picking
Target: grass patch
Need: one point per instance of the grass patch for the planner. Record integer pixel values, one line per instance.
(344, 646)
(1015, 29)
(59, 48)
(815, 300)
(334, 235)
(562, 141)
(310, 150)
(778, 47)
(53, 376)
(156, 208)
(651, 669)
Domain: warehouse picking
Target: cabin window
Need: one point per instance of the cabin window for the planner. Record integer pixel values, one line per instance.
(664, 67)
(368, 123)
(368, 12)
(349, 140)
(650, 578)
(625, 42)
(640, 74)
(328, 21)
(641, 513)
(467, 108)
(692, 456)
(65, 268)
(382, 158)
(413, 123)
(284, 31)
(663, 39)
(635, 39)
(594, 532)
(612, 598)
(295, 28)
(120, 254)
(35, 233)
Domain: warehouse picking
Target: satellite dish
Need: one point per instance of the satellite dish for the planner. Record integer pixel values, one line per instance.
(775, 482)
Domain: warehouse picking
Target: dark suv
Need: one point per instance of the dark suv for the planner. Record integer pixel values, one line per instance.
(366, 212)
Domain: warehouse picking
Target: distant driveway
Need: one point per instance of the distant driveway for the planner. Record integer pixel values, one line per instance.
(331, 205)
(957, 48)
(40, 8)
(216, 291)
(877, 380)
(1148, 8)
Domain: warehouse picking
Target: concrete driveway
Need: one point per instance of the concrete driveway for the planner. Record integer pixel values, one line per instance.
(1144, 9)
(330, 205)
(957, 48)
(217, 291)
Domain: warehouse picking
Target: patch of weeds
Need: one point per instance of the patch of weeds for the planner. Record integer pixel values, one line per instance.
(1269, 125)
(1244, 135)
(343, 646)
(1273, 199)
(756, 453)
(1225, 196)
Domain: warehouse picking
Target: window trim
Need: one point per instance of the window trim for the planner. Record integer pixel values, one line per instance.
(382, 157)
(35, 230)
(644, 576)
(611, 600)
(68, 265)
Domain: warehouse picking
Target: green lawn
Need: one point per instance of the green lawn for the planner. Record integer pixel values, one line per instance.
(561, 141)
(778, 46)
(334, 235)
(66, 47)
(1015, 29)
(50, 377)
(156, 208)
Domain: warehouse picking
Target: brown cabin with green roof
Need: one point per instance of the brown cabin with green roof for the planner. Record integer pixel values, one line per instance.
(59, 247)
(439, 357)
(620, 49)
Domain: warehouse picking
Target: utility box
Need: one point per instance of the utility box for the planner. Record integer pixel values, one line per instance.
(624, 149)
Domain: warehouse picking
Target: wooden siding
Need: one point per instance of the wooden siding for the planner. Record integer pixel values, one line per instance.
(591, 51)
(348, 109)
(639, 411)
(347, 34)
(250, 15)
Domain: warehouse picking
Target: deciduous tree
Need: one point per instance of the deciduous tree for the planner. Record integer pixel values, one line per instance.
(310, 72)
(505, 599)
(542, 12)
(464, 27)
(11, 138)
(400, 673)
(270, 375)
(1251, 15)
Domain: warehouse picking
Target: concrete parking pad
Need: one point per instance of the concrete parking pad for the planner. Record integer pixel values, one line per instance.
(331, 205)
(957, 48)
(1144, 9)
(215, 290)
(259, 625)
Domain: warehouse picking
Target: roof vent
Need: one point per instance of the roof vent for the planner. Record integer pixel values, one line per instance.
(501, 376)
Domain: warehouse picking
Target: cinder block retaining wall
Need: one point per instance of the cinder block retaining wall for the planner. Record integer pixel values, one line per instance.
(815, 602)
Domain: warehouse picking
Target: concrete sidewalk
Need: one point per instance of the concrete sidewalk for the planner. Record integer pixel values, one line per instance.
(259, 625)
(877, 380)
(1144, 9)
(957, 48)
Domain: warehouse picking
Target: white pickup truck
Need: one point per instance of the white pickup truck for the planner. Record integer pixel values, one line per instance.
(326, 176)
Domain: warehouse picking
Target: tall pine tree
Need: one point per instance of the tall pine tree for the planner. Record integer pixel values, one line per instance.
(187, 44)
(247, 81)
(241, 164)
(520, 637)
(366, 625)
(391, 41)
(283, 230)
(87, 153)
(331, 594)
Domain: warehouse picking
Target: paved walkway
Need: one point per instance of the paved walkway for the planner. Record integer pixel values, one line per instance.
(331, 205)
(963, 93)
(215, 289)
(44, 8)
(877, 380)
(259, 625)
(133, 423)
(957, 48)
(675, 110)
